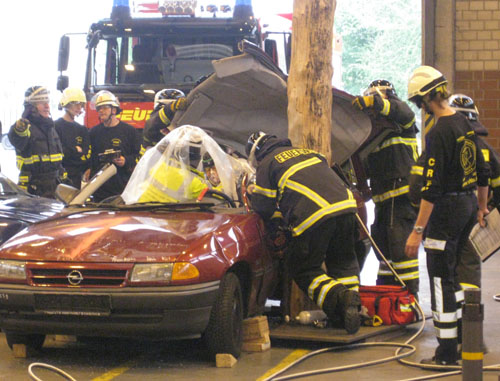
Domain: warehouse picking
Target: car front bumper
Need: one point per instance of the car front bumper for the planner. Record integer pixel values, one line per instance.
(158, 312)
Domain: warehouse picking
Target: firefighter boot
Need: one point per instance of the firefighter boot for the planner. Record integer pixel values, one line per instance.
(350, 306)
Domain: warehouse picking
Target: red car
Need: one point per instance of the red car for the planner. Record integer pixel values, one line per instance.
(139, 266)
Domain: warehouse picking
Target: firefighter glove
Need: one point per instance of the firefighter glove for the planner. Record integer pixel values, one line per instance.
(22, 125)
(363, 102)
(179, 104)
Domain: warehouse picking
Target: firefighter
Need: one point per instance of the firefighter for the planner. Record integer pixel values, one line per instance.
(167, 102)
(74, 137)
(112, 134)
(319, 212)
(389, 166)
(449, 208)
(39, 152)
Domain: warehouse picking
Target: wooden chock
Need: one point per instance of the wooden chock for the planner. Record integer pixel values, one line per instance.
(224, 360)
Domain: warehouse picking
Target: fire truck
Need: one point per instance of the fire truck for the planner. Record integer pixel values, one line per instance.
(171, 45)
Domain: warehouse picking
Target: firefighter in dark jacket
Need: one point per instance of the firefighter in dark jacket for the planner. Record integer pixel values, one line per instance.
(116, 136)
(468, 270)
(453, 169)
(167, 102)
(319, 212)
(389, 166)
(74, 137)
(39, 151)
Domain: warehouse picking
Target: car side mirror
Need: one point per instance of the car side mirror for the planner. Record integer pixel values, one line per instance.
(62, 82)
(65, 193)
(62, 63)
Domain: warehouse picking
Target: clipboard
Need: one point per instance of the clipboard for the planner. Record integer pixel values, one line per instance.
(486, 241)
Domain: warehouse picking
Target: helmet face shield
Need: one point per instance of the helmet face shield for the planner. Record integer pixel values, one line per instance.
(380, 87)
(464, 104)
(166, 95)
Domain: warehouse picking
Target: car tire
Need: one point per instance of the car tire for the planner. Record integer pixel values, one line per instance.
(224, 333)
(33, 341)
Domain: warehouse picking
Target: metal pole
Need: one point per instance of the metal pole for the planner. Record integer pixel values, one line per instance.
(472, 336)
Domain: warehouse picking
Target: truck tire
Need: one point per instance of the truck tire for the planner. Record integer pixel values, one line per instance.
(224, 333)
(34, 341)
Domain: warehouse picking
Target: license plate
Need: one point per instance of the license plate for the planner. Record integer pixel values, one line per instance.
(67, 304)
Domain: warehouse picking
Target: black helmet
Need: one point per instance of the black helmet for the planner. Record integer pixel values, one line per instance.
(256, 141)
(465, 105)
(167, 94)
(381, 85)
(36, 94)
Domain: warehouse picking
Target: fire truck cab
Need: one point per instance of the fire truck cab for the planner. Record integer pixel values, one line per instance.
(170, 46)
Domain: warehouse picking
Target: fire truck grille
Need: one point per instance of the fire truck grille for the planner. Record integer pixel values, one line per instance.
(78, 278)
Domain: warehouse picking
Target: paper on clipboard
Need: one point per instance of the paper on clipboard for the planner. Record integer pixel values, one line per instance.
(486, 241)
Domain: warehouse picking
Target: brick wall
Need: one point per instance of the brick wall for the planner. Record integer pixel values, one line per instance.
(477, 47)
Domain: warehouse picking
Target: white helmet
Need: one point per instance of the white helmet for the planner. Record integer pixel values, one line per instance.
(103, 98)
(36, 94)
(72, 95)
(423, 80)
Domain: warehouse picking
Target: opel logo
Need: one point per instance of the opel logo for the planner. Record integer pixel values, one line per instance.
(75, 277)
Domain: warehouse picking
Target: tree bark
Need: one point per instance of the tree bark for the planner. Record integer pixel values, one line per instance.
(310, 96)
(310, 78)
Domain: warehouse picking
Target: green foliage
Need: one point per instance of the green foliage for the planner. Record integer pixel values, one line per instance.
(381, 40)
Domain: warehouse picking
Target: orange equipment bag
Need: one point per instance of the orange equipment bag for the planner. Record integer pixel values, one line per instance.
(388, 305)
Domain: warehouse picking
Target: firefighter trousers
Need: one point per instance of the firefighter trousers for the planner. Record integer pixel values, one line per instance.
(394, 221)
(332, 242)
(447, 235)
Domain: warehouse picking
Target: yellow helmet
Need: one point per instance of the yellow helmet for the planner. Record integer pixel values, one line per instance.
(72, 95)
(425, 80)
(103, 98)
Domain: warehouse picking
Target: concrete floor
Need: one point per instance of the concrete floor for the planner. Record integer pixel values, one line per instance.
(185, 360)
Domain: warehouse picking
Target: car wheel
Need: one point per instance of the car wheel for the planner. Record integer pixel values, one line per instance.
(224, 331)
(33, 341)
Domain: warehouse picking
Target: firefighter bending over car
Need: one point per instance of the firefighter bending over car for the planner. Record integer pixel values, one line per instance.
(181, 168)
(112, 141)
(167, 102)
(453, 169)
(74, 137)
(319, 211)
(389, 166)
(39, 152)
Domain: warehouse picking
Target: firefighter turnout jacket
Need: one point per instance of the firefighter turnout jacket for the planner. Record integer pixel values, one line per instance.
(159, 120)
(300, 184)
(73, 134)
(39, 154)
(452, 161)
(390, 162)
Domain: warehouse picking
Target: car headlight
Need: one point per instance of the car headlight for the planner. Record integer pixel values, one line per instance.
(163, 272)
(12, 270)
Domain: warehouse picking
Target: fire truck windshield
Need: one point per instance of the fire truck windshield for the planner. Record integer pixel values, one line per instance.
(156, 61)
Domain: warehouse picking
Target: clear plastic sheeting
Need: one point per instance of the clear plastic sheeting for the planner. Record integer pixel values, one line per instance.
(172, 171)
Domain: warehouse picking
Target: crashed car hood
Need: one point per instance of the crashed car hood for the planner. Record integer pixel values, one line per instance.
(248, 93)
(109, 236)
(28, 209)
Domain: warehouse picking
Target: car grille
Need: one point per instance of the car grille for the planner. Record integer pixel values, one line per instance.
(70, 277)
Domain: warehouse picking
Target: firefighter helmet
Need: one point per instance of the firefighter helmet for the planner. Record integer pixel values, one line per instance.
(425, 80)
(254, 144)
(167, 94)
(381, 85)
(105, 98)
(72, 95)
(36, 94)
(464, 104)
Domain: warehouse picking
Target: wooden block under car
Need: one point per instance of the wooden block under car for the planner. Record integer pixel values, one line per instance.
(249, 346)
(224, 360)
(21, 351)
(255, 328)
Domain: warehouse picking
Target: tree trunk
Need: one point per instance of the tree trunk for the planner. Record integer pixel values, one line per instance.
(310, 79)
(310, 96)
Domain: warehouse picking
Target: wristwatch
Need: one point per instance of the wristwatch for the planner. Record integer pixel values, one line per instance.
(418, 229)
